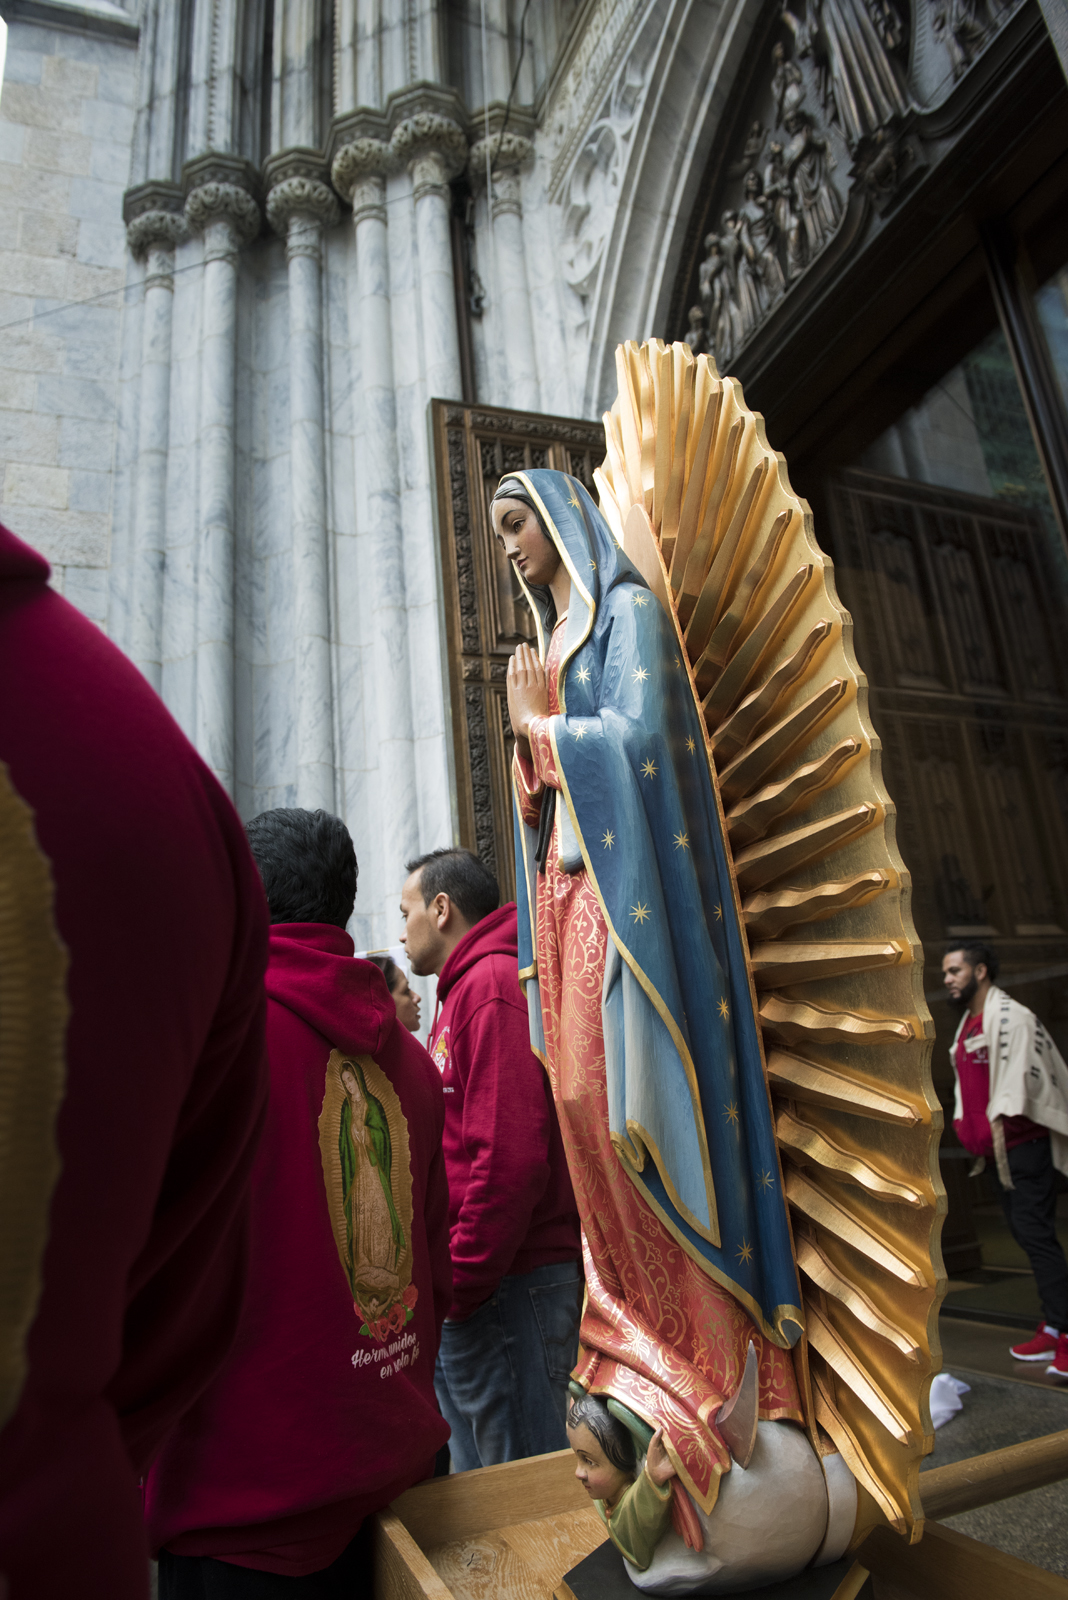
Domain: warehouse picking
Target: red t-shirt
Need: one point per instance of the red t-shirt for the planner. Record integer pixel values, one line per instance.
(973, 1070)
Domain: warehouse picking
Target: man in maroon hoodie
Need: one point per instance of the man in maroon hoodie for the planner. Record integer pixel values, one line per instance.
(162, 1087)
(325, 1410)
(510, 1339)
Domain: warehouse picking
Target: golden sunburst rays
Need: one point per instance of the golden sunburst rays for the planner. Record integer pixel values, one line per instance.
(704, 509)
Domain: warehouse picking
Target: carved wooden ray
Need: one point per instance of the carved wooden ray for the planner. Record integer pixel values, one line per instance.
(704, 508)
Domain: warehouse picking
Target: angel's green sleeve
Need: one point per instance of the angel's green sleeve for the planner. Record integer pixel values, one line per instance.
(640, 1520)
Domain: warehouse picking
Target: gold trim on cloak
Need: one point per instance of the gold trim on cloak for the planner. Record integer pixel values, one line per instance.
(33, 1023)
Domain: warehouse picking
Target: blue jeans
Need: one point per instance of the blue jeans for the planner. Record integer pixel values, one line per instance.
(502, 1374)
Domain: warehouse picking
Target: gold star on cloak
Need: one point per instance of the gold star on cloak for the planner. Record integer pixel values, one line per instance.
(609, 839)
(579, 732)
(745, 1254)
(719, 913)
(690, 745)
(682, 841)
(593, 566)
(640, 597)
(724, 1010)
(678, 663)
(648, 769)
(583, 674)
(767, 1181)
(731, 1114)
(640, 674)
(639, 912)
(574, 501)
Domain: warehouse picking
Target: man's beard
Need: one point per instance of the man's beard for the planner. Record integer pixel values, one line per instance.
(964, 997)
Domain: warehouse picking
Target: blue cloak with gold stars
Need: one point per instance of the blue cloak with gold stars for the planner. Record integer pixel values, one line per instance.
(689, 1112)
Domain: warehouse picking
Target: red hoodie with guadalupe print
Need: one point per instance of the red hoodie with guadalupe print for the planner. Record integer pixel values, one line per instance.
(511, 1204)
(325, 1410)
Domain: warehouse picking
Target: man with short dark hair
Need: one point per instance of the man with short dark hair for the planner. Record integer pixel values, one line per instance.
(511, 1336)
(1012, 1108)
(326, 1409)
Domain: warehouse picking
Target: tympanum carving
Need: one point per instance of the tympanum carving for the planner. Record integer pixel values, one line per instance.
(829, 122)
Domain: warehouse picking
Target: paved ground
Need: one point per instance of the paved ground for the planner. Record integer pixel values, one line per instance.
(1009, 1401)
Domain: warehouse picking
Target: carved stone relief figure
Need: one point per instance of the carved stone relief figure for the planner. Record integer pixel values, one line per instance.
(784, 215)
(697, 334)
(808, 161)
(717, 297)
(787, 83)
(779, 193)
(745, 282)
(760, 232)
(751, 150)
(860, 82)
(963, 27)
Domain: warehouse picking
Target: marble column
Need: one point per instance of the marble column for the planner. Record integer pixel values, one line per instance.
(434, 149)
(508, 155)
(299, 206)
(227, 217)
(359, 173)
(152, 236)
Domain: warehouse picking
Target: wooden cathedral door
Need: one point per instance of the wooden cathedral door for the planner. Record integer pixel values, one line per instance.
(486, 615)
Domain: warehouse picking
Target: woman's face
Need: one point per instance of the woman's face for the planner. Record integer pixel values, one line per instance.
(352, 1089)
(519, 534)
(407, 1004)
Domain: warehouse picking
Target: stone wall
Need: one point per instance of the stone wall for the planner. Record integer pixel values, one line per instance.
(66, 122)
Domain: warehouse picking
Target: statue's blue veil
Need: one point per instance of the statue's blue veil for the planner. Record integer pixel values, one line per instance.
(689, 1113)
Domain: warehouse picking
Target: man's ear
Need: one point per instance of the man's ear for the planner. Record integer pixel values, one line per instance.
(980, 972)
(442, 911)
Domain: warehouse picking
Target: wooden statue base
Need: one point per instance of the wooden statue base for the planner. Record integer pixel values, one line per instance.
(602, 1576)
(524, 1531)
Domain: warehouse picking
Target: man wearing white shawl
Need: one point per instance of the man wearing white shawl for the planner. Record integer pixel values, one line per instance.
(1012, 1106)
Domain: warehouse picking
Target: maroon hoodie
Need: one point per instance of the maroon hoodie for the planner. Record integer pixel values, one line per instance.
(511, 1205)
(325, 1410)
(160, 907)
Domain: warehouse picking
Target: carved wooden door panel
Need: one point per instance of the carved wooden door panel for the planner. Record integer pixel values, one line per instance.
(958, 630)
(485, 613)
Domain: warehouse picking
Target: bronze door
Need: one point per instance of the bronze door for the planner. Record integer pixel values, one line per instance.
(959, 633)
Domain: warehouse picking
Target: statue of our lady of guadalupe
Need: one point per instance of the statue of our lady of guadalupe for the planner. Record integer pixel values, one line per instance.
(633, 961)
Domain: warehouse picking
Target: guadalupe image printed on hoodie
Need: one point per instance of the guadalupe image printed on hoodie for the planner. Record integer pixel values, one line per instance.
(366, 1166)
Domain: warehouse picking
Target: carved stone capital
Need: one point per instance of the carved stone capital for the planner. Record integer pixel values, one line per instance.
(432, 143)
(152, 213)
(152, 230)
(153, 196)
(223, 203)
(306, 198)
(509, 153)
(358, 160)
(219, 189)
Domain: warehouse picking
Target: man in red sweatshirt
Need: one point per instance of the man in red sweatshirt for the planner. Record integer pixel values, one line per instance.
(511, 1336)
(325, 1410)
(148, 1055)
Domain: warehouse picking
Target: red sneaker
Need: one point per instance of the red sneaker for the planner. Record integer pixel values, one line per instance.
(1040, 1348)
(1058, 1367)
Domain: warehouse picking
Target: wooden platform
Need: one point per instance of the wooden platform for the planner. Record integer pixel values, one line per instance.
(516, 1532)
(511, 1532)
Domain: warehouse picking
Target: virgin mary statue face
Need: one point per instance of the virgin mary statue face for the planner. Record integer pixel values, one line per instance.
(519, 533)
